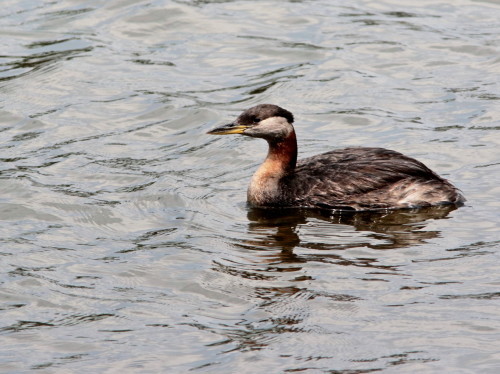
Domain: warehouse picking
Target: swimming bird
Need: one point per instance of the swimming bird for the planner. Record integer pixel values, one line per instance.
(357, 178)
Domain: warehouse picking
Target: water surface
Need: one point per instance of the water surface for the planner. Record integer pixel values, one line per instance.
(127, 245)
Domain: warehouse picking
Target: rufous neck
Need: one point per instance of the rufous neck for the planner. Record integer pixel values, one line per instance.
(284, 152)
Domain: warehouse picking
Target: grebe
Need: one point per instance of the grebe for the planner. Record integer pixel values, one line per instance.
(357, 179)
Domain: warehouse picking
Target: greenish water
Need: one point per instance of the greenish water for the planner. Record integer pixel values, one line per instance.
(126, 244)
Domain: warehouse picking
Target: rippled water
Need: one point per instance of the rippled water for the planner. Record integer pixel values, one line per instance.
(126, 242)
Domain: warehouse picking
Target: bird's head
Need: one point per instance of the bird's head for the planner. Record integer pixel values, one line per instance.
(266, 121)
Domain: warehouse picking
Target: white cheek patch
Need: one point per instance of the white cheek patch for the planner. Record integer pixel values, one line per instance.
(277, 126)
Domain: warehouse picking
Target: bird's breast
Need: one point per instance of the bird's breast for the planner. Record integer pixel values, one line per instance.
(265, 184)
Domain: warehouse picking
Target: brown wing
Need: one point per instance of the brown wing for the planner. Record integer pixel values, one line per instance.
(359, 178)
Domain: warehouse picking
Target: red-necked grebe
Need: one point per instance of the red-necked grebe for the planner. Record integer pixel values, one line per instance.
(348, 179)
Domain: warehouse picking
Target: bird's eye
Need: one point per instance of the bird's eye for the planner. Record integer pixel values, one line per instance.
(256, 120)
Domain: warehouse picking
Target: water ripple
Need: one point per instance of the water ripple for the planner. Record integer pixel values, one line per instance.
(125, 226)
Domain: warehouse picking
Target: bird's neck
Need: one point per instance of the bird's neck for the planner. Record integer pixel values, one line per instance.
(282, 155)
(280, 161)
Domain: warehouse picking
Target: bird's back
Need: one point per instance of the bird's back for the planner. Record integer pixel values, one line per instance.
(366, 179)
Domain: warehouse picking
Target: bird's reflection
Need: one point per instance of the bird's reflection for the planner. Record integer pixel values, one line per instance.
(283, 240)
(275, 254)
(390, 229)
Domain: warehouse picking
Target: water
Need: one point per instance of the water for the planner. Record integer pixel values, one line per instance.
(126, 242)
